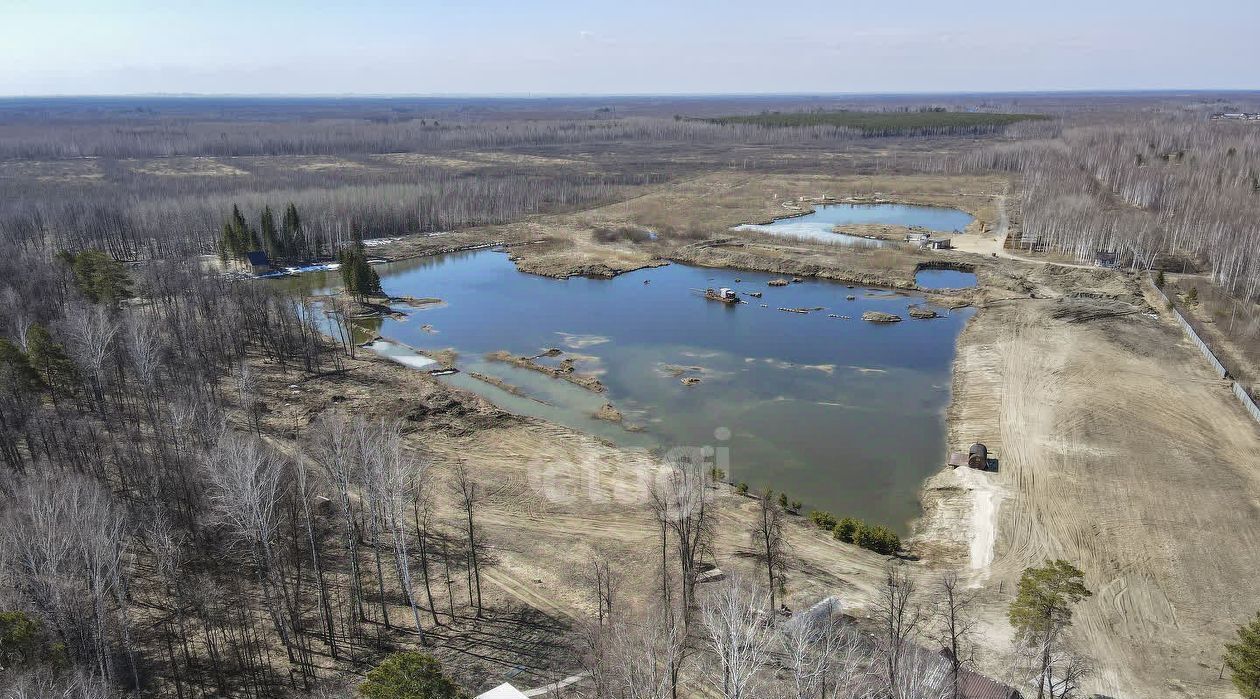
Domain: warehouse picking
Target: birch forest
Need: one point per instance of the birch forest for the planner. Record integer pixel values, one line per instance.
(1169, 191)
(163, 533)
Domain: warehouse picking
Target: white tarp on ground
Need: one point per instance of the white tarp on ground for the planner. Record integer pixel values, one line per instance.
(401, 354)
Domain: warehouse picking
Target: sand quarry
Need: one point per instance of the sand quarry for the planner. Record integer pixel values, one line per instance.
(1118, 449)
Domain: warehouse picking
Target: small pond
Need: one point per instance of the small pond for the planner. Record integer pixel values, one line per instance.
(819, 224)
(842, 414)
(944, 279)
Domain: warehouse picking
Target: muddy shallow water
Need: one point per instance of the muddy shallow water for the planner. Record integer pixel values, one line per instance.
(842, 414)
(820, 224)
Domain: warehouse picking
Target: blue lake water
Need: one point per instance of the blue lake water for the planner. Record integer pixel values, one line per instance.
(944, 279)
(841, 414)
(819, 224)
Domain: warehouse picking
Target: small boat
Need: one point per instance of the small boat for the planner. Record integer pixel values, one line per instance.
(443, 372)
(754, 294)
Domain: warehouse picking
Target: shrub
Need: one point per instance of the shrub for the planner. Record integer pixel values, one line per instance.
(742, 488)
(822, 519)
(783, 500)
(846, 530)
(408, 676)
(879, 539)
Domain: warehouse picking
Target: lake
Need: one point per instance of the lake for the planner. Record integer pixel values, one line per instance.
(818, 225)
(844, 415)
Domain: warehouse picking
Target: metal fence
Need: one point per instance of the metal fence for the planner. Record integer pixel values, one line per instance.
(1247, 402)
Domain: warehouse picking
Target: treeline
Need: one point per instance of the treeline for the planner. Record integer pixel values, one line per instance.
(925, 122)
(1160, 192)
(133, 227)
(170, 137)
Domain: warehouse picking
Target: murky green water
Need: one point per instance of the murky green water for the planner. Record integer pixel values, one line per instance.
(839, 413)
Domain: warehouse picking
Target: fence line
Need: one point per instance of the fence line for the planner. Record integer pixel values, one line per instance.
(1247, 402)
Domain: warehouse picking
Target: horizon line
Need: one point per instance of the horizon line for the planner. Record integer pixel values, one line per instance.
(608, 95)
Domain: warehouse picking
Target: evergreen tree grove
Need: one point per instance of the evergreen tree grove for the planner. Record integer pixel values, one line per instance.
(358, 276)
(238, 237)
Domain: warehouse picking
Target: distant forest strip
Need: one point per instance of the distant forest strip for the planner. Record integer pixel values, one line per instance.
(914, 123)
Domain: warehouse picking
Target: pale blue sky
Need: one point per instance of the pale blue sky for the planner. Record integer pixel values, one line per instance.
(636, 46)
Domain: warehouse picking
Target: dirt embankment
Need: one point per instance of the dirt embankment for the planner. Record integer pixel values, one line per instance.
(566, 369)
(1118, 450)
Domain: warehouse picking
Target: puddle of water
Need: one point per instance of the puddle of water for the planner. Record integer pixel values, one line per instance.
(841, 414)
(819, 224)
(944, 279)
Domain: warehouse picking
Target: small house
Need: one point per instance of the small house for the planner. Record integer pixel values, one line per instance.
(257, 262)
(726, 294)
(978, 456)
(972, 685)
(1109, 260)
(939, 244)
(920, 238)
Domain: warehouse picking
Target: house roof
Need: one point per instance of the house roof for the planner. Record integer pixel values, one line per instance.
(975, 686)
(257, 257)
(503, 691)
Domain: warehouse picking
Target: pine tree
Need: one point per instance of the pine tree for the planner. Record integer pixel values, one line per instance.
(271, 242)
(49, 359)
(358, 276)
(245, 237)
(16, 373)
(291, 232)
(408, 675)
(1043, 609)
(1243, 659)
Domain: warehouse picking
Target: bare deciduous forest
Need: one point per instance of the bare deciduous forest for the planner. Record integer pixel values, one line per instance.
(159, 536)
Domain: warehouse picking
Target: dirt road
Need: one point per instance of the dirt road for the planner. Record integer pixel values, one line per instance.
(1121, 452)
